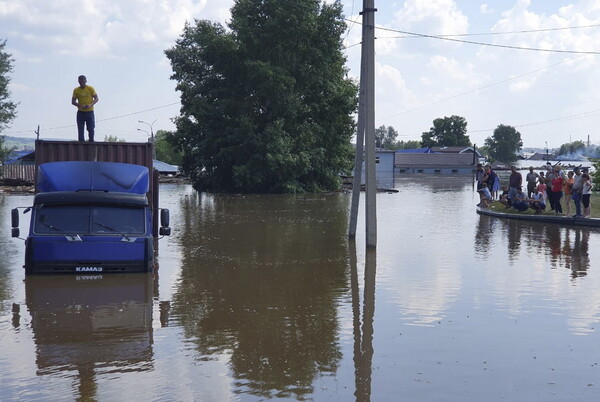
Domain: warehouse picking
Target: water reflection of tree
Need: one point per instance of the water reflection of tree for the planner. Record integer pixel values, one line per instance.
(260, 280)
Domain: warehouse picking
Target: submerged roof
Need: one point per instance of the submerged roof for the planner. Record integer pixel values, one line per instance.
(93, 176)
(164, 167)
(433, 160)
(425, 150)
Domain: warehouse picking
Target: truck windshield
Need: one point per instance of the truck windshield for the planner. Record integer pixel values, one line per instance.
(72, 219)
(60, 219)
(118, 219)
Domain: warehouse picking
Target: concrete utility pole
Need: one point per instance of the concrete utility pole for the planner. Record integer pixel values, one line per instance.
(360, 149)
(366, 131)
(151, 136)
(370, 182)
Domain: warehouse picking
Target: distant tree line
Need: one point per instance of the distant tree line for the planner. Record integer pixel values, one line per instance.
(385, 137)
(503, 145)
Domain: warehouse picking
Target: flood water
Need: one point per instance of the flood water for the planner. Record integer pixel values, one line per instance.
(264, 297)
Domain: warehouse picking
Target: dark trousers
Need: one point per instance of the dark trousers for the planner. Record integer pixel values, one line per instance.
(88, 120)
(557, 195)
(550, 195)
(577, 200)
(530, 187)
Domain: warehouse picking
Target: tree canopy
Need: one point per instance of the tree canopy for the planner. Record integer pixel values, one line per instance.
(166, 145)
(571, 148)
(385, 137)
(266, 105)
(504, 144)
(8, 108)
(447, 131)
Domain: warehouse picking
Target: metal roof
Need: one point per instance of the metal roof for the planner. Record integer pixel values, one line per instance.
(434, 160)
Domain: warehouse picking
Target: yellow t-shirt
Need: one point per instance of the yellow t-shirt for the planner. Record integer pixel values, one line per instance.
(84, 96)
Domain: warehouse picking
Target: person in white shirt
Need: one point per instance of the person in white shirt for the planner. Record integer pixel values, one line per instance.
(537, 201)
(585, 195)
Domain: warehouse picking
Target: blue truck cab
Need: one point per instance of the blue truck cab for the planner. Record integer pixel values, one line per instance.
(91, 217)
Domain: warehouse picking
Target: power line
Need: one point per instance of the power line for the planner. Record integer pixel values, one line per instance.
(99, 120)
(490, 33)
(452, 39)
(504, 46)
(480, 88)
(536, 123)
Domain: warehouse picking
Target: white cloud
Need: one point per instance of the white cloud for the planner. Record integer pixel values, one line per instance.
(485, 9)
(105, 27)
(441, 17)
(520, 86)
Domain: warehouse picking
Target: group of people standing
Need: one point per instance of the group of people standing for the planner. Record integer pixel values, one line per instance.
(488, 184)
(543, 188)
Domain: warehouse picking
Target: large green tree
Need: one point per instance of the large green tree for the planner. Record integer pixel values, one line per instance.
(266, 104)
(8, 109)
(504, 144)
(447, 131)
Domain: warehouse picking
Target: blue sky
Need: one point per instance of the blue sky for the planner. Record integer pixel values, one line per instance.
(549, 96)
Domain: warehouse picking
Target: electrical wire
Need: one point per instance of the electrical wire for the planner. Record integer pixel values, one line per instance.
(452, 39)
(99, 120)
(537, 123)
(481, 88)
(490, 33)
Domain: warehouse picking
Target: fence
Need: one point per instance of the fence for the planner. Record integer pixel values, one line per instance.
(23, 172)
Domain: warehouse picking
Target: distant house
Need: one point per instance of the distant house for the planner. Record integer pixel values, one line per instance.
(538, 156)
(457, 150)
(384, 161)
(164, 168)
(434, 163)
(26, 157)
(500, 165)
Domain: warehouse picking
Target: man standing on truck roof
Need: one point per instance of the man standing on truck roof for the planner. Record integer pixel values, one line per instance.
(84, 98)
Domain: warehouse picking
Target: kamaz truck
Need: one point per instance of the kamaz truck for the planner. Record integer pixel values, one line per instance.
(90, 214)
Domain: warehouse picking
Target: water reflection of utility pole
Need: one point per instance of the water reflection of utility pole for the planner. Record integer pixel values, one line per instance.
(363, 334)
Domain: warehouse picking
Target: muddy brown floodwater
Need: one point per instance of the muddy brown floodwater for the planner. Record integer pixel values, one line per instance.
(264, 297)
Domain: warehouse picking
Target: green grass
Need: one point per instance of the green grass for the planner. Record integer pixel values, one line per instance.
(594, 204)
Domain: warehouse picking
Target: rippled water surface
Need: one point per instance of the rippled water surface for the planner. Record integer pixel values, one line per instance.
(264, 297)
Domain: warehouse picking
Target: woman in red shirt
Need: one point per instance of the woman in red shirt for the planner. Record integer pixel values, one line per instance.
(557, 190)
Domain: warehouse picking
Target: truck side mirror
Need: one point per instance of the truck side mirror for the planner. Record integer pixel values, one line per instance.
(164, 218)
(14, 222)
(164, 231)
(14, 218)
